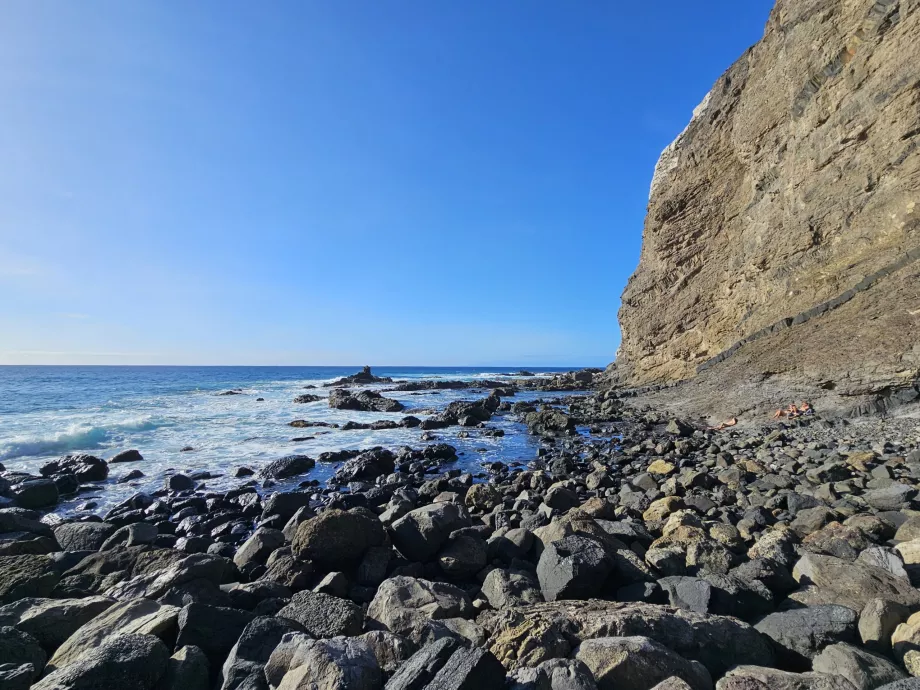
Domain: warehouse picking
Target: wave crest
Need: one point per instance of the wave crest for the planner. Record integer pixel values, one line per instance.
(75, 437)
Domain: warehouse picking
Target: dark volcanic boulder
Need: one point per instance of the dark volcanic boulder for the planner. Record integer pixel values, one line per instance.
(289, 466)
(52, 621)
(35, 493)
(404, 605)
(131, 455)
(367, 466)
(573, 568)
(363, 401)
(801, 633)
(421, 533)
(323, 615)
(550, 422)
(26, 576)
(336, 538)
(125, 661)
(214, 630)
(244, 667)
(638, 662)
(83, 536)
(17, 647)
(86, 468)
(307, 398)
(363, 378)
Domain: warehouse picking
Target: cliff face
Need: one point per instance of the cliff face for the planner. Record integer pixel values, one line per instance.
(787, 212)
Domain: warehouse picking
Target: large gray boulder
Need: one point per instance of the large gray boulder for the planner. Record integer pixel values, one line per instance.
(404, 605)
(390, 650)
(336, 539)
(760, 678)
(469, 668)
(213, 629)
(832, 580)
(575, 567)
(139, 617)
(557, 674)
(188, 669)
(83, 536)
(627, 663)
(865, 670)
(26, 576)
(339, 663)
(422, 666)
(156, 582)
(52, 621)
(17, 648)
(800, 634)
(323, 615)
(124, 661)
(504, 588)
(421, 533)
(244, 668)
(259, 546)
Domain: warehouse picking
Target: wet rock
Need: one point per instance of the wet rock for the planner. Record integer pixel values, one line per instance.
(550, 422)
(35, 493)
(637, 662)
(289, 466)
(179, 482)
(363, 401)
(126, 456)
(323, 615)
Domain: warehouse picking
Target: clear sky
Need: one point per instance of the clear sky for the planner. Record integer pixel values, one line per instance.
(337, 182)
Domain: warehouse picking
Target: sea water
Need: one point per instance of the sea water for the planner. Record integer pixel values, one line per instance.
(50, 411)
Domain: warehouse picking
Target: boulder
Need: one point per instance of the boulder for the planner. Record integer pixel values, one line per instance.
(469, 669)
(188, 669)
(323, 616)
(244, 668)
(52, 621)
(124, 661)
(16, 677)
(138, 617)
(26, 576)
(83, 536)
(421, 668)
(421, 533)
(339, 663)
(259, 546)
(865, 670)
(35, 493)
(877, 622)
(800, 634)
(837, 581)
(760, 678)
(363, 401)
(213, 629)
(178, 570)
(573, 568)
(557, 674)
(623, 663)
(18, 648)
(506, 588)
(131, 455)
(289, 466)
(404, 605)
(85, 467)
(390, 650)
(463, 556)
(336, 539)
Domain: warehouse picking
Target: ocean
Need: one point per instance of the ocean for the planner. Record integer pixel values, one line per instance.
(50, 411)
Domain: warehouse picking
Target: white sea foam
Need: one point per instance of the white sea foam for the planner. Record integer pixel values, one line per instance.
(74, 437)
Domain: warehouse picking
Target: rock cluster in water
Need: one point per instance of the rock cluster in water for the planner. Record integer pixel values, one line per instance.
(648, 553)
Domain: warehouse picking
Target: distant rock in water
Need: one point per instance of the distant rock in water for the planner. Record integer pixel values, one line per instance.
(783, 223)
(362, 378)
(307, 398)
(363, 401)
(236, 391)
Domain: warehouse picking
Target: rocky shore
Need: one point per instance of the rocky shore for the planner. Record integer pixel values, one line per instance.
(636, 551)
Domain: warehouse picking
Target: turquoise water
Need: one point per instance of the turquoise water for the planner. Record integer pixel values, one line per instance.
(46, 412)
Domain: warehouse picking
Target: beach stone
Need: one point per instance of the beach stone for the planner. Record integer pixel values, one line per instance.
(557, 674)
(188, 669)
(800, 634)
(83, 536)
(689, 593)
(573, 568)
(892, 497)
(884, 558)
(336, 539)
(18, 647)
(52, 621)
(12, 521)
(179, 482)
(131, 455)
(661, 467)
(760, 678)
(363, 401)
(469, 669)
(339, 663)
(463, 556)
(289, 466)
(878, 620)
(618, 663)
(259, 546)
(865, 670)
(126, 661)
(131, 535)
(84, 467)
(35, 493)
(837, 581)
(421, 668)
(390, 650)
(138, 617)
(323, 615)
(482, 498)
(174, 571)
(776, 544)
(26, 576)
(421, 533)
(16, 677)
(244, 667)
(528, 643)
(673, 683)
(403, 605)
(504, 588)
(213, 629)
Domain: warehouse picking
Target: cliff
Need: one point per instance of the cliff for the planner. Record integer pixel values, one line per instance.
(783, 228)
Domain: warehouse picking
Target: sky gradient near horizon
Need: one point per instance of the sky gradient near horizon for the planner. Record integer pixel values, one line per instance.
(400, 182)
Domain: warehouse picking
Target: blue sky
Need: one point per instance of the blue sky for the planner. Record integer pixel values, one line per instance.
(300, 182)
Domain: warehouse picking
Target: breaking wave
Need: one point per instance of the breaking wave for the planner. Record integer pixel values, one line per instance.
(75, 437)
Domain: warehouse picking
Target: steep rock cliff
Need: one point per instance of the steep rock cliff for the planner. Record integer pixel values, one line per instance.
(783, 226)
